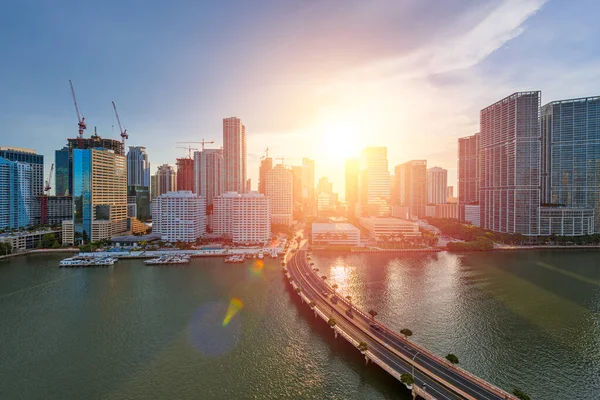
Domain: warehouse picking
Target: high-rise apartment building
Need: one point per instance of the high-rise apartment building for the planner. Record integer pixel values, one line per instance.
(437, 185)
(16, 202)
(510, 151)
(411, 187)
(280, 191)
(138, 167)
(468, 174)
(351, 178)
(266, 164)
(99, 196)
(179, 216)
(327, 200)
(234, 154)
(36, 162)
(308, 185)
(297, 185)
(209, 174)
(571, 154)
(374, 182)
(166, 179)
(450, 191)
(185, 174)
(243, 217)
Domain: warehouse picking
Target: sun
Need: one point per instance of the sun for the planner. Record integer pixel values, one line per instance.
(340, 140)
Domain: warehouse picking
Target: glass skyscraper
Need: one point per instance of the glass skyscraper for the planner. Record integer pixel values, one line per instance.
(15, 194)
(571, 149)
(63, 165)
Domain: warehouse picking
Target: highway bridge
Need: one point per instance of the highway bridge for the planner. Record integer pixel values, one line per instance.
(434, 376)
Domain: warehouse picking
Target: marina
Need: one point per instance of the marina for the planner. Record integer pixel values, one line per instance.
(172, 259)
(87, 261)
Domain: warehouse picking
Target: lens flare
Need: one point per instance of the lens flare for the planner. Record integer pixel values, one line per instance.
(257, 267)
(235, 305)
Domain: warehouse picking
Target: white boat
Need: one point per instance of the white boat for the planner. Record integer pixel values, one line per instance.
(261, 256)
(235, 259)
(82, 261)
(169, 259)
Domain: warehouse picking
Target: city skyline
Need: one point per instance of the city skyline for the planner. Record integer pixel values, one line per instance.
(314, 92)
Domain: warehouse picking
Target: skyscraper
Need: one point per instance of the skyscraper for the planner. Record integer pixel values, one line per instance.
(280, 191)
(509, 183)
(351, 174)
(374, 182)
(571, 154)
(36, 162)
(411, 186)
(63, 165)
(234, 154)
(297, 186)
(185, 174)
(266, 164)
(437, 185)
(209, 174)
(16, 202)
(165, 179)
(308, 185)
(468, 173)
(243, 217)
(99, 195)
(138, 167)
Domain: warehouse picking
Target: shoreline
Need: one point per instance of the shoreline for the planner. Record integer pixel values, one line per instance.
(41, 251)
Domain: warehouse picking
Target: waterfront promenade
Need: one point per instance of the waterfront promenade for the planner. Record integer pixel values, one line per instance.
(435, 378)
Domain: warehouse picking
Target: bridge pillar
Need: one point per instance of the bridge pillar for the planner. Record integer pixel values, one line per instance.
(366, 359)
(414, 394)
(335, 332)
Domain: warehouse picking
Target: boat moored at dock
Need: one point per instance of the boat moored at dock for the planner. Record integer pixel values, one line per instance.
(85, 261)
(169, 259)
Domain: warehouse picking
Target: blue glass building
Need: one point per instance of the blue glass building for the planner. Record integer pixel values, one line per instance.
(82, 195)
(571, 154)
(63, 165)
(16, 202)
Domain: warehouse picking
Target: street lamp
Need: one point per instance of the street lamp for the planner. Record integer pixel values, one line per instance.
(413, 364)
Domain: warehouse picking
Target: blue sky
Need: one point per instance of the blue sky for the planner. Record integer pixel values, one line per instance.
(308, 78)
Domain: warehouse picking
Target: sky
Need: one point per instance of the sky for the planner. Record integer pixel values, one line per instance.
(317, 79)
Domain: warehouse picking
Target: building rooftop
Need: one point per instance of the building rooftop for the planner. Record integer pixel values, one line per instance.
(28, 233)
(19, 149)
(135, 239)
(332, 226)
(386, 220)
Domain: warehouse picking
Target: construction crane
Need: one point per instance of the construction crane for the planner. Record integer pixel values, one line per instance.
(266, 154)
(203, 142)
(124, 134)
(80, 119)
(48, 184)
(189, 149)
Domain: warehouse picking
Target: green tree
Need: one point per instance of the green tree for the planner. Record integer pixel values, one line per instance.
(332, 322)
(406, 332)
(56, 245)
(373, 313)
(521, 394)
(39, 245)
(452, 358)
(362, 347)
(47, 240)
(407, 379)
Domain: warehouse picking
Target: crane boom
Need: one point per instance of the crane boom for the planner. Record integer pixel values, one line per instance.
(189, 149)
(48, 185)
(80, 119)
(124, 134)
(203, 142)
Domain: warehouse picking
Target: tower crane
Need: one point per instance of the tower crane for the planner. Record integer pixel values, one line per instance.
(48, 184)
(266, 154)
(80, 119)
(203, 142)
(189, 149)
(124, 134)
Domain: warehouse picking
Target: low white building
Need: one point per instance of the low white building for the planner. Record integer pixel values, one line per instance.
(472, 214)
(378, 227)
(246, 218)
(335, 234)
(179, 216)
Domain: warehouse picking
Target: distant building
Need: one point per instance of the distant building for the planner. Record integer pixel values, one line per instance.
(99, 196)
(447, 211)
(280, 191)
(59, 209)
(185, 174)
(380, 228)
(166, 179)
(234, 154)
(468, 173)
(450, 191)
(27, 240)
(308, 186)
(63, 167)
(209, 174)
(140, 197)
(351, 174)
(509, 183)
(297, 186)
(374, 182)
(179, 216)
(411, 186)
(16, 201)
(36, 189)
(571, 157)
(243, 217)
(138, 167)
(266, 164)
(437, 185)
(343, 234)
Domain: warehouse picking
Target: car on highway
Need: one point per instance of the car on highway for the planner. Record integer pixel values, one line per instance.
(374, 327)
(334, 299)
(324, 293)
(349, 314)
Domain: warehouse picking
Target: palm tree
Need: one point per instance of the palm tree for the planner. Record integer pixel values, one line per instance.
(334, 287)
(452, 358)
(362, 347)
(324, 278)
(297, 290)
(328, 237)
(331, 322)
(312, 304)
(408, 380)
(349, 298)
(373, 314)
(406, 332)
